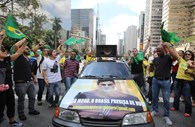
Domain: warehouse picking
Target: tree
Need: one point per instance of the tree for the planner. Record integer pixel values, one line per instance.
(56, 27)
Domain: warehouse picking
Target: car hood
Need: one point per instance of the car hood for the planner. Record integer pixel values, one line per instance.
(91, 101)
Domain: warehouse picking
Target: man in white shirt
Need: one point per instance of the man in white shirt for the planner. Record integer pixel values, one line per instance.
(39, 75)
(52, 74)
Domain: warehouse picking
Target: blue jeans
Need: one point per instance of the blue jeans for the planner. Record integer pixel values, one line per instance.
(68, 82)
(182, 87)
(54, 87)
(41, 83)
(165, 86)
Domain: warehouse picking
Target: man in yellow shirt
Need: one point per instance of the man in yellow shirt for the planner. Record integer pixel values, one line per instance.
(66, 56)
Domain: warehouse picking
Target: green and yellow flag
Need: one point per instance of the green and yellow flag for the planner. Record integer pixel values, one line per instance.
(80, 40)
(70, 41)
(12, 30)
(168, 36)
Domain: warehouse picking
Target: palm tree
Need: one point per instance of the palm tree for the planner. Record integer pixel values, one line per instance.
(56, 27)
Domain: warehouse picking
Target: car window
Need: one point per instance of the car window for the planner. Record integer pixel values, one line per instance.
(106, 69)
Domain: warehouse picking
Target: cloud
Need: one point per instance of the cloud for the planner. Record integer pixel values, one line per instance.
(117, 25)
(90, 3)
(134, 5)
(59, 8)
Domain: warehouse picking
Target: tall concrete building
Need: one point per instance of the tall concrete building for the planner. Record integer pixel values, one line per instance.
(120, 47)
(84, 20)
(153, 20)
(141, 29)
(179, 17)
(130, 38)
(102, 39)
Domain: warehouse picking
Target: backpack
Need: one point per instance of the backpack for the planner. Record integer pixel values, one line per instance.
(34, 64)
(41, 61)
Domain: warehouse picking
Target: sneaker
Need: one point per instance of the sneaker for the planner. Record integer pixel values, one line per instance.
(154, 113)
(187, 115)
(168, 121)
(172, 109)
(52, 105)
(150, 102)
(15, 124)
(22, 117)
(34, 112)
(39, 103)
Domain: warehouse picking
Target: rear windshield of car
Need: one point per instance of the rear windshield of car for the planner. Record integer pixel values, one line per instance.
(106, 69)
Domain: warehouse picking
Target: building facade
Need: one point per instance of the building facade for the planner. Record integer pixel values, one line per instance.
(141, 30)
(130, 38)
(179, 17)
(120, 47)
(102, 39)
(83, 20)
(153, 20)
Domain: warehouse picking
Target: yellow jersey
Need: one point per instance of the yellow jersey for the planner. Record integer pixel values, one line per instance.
(181, 71)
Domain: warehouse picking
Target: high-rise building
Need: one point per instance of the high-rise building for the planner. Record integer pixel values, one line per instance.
(83, 19)
(179, 17)
(141, 30)
(102, 39)
(120, 47)
(153, 20)
(130, 38)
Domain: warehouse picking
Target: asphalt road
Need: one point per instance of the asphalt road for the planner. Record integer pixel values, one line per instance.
(44, 119)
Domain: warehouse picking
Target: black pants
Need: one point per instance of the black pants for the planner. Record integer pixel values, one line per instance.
(7, 99)
(139, 79)
(192, 88)
(150, 88)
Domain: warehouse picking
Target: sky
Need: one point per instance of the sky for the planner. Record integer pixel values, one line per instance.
(115, 15)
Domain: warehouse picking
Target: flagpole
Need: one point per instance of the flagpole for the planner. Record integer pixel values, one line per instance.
(12, 3)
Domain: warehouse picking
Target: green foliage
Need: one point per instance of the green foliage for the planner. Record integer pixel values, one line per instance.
(28, 9)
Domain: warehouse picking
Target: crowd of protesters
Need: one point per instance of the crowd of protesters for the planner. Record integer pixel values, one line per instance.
(167, 70)
(21, 71)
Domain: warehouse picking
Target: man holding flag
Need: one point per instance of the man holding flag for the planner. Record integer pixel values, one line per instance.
(23, 76)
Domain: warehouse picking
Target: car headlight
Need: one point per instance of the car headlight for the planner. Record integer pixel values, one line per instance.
(68, 115)
(137, 118)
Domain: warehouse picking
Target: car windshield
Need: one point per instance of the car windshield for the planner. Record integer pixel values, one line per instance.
(106, 70)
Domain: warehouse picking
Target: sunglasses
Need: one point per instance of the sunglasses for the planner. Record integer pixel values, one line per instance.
(188, 54)
(3, 50)
(106, 84)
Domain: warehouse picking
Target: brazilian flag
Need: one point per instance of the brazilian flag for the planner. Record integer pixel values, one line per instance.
(70, 41)
(80, 40)
(12, 30)
(168, 36)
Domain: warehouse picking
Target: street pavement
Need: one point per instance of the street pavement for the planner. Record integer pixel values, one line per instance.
(46, 114)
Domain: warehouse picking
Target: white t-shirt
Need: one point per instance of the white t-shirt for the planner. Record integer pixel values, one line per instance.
(39, 70)
(52, 68)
